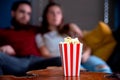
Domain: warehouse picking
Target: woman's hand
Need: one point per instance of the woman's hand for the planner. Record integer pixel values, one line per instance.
(86, 54)
(44, 52)
(8, 50)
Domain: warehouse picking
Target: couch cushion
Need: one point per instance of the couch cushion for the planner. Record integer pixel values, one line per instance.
(100, 40)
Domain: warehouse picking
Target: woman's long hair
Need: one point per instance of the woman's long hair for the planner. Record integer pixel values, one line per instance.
(45, 24)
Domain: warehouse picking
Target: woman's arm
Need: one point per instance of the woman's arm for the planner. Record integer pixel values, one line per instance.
(77, 32)
(41, 46)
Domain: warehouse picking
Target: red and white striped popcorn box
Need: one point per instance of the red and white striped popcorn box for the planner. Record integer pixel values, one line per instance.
(71, 58)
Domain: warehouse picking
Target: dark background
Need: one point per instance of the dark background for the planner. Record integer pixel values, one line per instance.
(114, 13)
(5, 12)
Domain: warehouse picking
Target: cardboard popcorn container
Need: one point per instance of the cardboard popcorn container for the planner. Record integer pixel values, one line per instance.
(71, 58)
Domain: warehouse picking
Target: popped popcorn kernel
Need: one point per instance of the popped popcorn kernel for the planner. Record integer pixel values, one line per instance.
(71, 40)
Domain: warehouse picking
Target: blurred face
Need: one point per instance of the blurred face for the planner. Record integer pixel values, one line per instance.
(54, 16)
(22, 14)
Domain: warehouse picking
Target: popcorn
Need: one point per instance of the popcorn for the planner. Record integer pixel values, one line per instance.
(70, 40)
(71, 56)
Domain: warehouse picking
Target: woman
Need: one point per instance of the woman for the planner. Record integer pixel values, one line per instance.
(53, 31)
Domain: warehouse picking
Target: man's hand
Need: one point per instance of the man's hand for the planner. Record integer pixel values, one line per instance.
(8, 50)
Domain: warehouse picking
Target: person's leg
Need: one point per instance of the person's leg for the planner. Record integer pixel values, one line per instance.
(40, 63)
(19, 66)
(96, 64)
(81, 67)
(1, 72)
(13, 65)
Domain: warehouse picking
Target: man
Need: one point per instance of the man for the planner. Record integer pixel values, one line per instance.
(18, 51)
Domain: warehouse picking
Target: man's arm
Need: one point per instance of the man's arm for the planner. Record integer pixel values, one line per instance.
(7, 49)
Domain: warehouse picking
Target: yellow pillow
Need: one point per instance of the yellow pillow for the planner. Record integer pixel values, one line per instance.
(100, 40)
